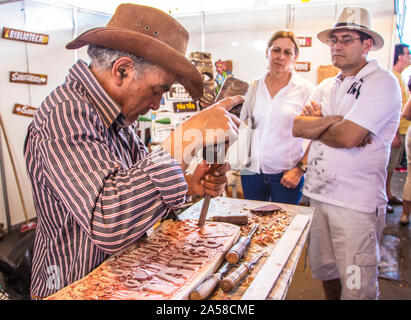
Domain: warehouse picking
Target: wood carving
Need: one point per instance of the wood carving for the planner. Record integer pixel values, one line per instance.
(202, 61)
(273, 226)
(224, 70)
(167, 265)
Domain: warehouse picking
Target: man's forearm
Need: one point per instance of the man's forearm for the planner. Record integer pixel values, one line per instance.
(332, 137)
(345, 134)
(310, 127)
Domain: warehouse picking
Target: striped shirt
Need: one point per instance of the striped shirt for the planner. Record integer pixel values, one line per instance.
(96, 189)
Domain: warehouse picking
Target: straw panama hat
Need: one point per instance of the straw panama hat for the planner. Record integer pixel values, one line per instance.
(151, 34)
(354, 18)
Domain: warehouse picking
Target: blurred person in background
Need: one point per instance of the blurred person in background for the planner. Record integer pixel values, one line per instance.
(401, 62)
(406, 194)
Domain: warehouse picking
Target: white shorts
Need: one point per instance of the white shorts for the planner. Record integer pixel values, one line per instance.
(344, 244)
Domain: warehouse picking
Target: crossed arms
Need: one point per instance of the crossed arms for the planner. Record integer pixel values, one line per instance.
(334, 131)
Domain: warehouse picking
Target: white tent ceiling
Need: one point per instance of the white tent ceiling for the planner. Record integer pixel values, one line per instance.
(183, 7)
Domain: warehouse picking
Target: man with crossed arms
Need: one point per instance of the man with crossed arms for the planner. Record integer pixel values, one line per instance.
(351, 121)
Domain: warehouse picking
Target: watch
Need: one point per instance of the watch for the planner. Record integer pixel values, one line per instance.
(302, 166)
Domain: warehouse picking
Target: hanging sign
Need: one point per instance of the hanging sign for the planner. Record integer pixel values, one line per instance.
(302, 66)
(189, 106)
(178, 92)
(25, 36)
(29, 78)
(24, 110)
(304, 41)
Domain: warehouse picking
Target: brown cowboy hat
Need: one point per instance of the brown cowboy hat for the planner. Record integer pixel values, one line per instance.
(354, 18)
(151, 34)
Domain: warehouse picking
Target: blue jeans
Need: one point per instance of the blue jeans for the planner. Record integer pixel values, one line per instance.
(267, 187)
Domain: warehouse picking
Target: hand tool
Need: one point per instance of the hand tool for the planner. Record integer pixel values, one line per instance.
(29, 225)
(231, 87)
(237, 251)
(238, 219)
(235, 277)
(205, 288)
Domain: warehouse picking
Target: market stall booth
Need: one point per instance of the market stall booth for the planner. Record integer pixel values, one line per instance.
(178, 255)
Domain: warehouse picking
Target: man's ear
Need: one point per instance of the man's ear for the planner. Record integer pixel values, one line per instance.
(367, 45)
(121, 69)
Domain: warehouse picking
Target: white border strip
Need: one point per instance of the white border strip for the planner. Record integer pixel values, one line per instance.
(270, 272)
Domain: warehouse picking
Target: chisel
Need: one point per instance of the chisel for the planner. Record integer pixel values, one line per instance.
(235, 277)
(231, 87)
(215, 156)
(238, 219)
(204, 290)
(237, 251)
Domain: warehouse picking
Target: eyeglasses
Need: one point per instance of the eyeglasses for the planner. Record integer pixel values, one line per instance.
(345, 41)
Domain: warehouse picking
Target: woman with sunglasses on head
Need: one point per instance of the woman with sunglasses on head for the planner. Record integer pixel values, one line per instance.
(276, 168)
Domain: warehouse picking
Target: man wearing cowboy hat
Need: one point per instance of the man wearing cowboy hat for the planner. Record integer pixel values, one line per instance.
(352, 121)
(96, 188)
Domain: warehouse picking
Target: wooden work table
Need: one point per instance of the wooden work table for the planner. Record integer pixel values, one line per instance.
(272, 276)
(280, 236)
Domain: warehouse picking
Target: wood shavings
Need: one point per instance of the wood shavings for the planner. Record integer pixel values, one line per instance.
(271, 228)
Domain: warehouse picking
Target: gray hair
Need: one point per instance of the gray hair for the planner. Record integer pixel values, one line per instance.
(103, 58)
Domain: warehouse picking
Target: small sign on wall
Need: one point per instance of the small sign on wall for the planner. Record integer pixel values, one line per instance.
(25, 36)
(188, 106)
(302, 66)
(178, 92)
(304, 41)
(24, 110)
(29, 78)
